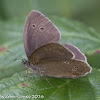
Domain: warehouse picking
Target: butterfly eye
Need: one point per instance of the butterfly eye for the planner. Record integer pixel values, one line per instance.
(42, 29)
(33, 26)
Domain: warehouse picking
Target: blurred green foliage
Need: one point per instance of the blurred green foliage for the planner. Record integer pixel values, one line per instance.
(86, 11)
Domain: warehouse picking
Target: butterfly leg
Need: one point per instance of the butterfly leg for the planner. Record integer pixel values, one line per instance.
(26, 73)
(48, 81)
(26, 83)
(42, 72)
(29, 75)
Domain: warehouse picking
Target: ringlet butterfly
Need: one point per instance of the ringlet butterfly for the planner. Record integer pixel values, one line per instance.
(45, 55)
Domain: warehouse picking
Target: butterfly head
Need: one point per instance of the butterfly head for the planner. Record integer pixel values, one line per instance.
(25, 63)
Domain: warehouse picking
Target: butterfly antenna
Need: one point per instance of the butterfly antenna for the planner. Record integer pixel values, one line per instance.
(20, 57)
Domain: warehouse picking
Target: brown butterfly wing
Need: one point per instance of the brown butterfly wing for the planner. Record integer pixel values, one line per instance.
(78, 54)
(50, 51)
(68, 68)
(64, 68)
(38, 30)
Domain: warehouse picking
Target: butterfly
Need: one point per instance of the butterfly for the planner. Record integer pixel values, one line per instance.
(46, 55)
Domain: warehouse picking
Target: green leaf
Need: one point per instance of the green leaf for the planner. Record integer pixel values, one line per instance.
(11, 40)
(84, 88)
(94, 60)
(87, 87)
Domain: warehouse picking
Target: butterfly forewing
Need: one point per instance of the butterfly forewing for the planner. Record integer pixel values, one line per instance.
(50, 51)
(38, 30)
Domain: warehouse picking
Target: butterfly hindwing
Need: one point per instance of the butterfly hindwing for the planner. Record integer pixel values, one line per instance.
(78, 54)
(68, 68)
